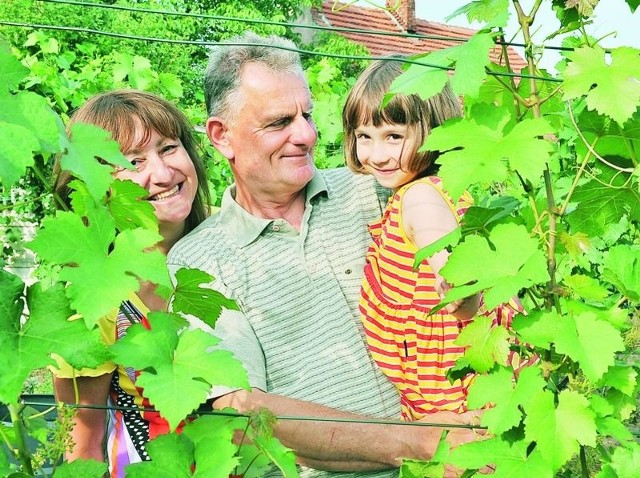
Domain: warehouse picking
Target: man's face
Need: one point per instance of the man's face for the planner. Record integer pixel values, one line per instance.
(271, 141)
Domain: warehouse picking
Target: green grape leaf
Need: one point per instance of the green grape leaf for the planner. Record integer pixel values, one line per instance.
(178, 370)
(590, 341)
(11, 302)
(129, 208)
(5, 466)
(215, 452)
(171, 84)
(586, 287)
(626, 461)
(539, 328)
(621, 377)
(474, 150)
(624, 405)
(471, 59)
(480, 219)
(614, 428)
(16, 149)
(422, 80)
(575, 244)
(511, 460)
(530, 164)
(87, 143)
(600, 406)
(514, 262)
(493, 13)
(611, 87)
(445, 241)
(171, 457)
(201, 302)
(421, 469)
(12, 72)
(622, 269)
(26, 346)
(498, 388)
(486, 345)
(80, 467)
(33, 112)
(599, 204)
(83, 252)
(281, 456)
(559, 431)
(608, 138)
(487, 155)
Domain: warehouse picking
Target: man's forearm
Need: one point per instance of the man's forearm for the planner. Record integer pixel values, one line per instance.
(338, 445)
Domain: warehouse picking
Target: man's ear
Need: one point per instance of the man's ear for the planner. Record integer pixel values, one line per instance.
(218, 134)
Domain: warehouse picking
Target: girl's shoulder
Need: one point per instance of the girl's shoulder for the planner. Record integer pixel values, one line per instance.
(420, 186)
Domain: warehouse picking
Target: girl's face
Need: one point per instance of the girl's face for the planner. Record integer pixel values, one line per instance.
(383, 149)
(164, 168)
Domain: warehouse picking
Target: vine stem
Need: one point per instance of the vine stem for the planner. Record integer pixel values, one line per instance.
(583, 462)
(22, 450)
(525, 22)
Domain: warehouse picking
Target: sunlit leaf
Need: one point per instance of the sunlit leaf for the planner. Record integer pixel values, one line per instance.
(81, 467)
(178, 369)
(611, 87)
(515, 261)
(486, 345)
(92, 260)
(191, 298)
(129, 208)
(590, 341)
(559, 430)
(499, 389)
(88, 142)
(171, 457)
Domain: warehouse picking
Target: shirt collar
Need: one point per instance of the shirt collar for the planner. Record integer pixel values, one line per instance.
(244, 227)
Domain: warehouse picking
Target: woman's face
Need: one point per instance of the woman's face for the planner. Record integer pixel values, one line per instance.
(165, 170)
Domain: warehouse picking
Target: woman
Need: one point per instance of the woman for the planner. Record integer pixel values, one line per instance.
(158, 140)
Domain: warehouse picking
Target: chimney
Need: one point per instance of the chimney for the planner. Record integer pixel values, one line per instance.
(405, 12)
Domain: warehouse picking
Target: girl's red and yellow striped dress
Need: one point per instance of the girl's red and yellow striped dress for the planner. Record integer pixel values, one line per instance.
(413, 349)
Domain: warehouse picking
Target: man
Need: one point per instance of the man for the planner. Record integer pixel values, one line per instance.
(288, 245)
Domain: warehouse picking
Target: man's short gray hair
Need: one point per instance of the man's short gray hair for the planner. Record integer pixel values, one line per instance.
(227, 58)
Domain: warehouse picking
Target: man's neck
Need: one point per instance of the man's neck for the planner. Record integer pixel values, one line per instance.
(287, 207)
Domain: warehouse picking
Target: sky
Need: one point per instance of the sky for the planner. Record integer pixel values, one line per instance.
(609, 16)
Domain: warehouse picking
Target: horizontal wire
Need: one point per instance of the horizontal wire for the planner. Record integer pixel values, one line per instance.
(292, 25)
(54, 404)
(298, 50)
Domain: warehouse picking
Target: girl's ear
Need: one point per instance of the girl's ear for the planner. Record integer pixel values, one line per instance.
(220, 136)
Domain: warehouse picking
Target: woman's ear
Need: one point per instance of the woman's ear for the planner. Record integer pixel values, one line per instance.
(219, 135)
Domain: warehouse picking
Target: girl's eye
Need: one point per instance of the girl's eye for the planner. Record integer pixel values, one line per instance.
(395, 136)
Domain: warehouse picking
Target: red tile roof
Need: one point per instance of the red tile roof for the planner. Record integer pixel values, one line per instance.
(336, 14)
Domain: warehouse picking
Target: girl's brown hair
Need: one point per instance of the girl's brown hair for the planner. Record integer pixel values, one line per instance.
(363, 107)
(120, 112)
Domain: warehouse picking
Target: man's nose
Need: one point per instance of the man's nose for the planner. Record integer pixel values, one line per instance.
(304, 131)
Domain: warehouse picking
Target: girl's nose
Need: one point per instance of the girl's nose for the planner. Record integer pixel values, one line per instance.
(379, 155)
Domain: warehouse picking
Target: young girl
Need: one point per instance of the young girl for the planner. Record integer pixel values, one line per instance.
(415, 350)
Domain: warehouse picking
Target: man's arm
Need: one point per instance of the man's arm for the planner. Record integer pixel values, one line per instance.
(347, 446)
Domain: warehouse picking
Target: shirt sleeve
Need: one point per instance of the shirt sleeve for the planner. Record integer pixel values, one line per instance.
(237, 336)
